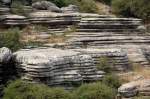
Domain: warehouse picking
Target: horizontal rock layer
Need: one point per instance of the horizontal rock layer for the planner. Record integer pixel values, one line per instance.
(131, 89)
(116, 58)
(57, 67)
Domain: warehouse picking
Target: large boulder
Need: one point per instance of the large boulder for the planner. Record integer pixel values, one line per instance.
(5, 55)
(46, 5)
(131, 89)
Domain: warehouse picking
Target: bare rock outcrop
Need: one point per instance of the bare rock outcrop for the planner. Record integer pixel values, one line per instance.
(56, 67)
(134, 88)
(46, 5)
(116, 58)
(9, 20)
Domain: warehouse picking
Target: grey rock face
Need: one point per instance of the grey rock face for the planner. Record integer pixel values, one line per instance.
(141, 87)
(5, 55)
(56, 67)
(13, 20)
(117, 58)
(70, 9)
(45, 5)
(4, 10)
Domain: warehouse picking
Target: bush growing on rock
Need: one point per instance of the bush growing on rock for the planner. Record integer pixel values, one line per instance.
(95, 91)
(104, 65)
(112, 81)
(11, 39)
(22, 90)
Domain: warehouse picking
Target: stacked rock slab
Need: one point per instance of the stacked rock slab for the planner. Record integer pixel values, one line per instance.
(4, 10)
(117, 58)
(56, 67)
(109, 32)
(134, 88)
(56, 22)
(13, 20)
(98, 31)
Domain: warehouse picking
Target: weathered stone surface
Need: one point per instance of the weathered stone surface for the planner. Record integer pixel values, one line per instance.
(70, 9)
(13, 20)
(46, 5)
(5, 55)
(117, 58)
(4, 10)
(141, 87)
(57, 23)
(57, 67)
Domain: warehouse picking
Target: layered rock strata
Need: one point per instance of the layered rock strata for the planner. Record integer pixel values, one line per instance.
(56, 22)
(109, 32)
(134, 88)
(57, 67)
(116, 58)
(4, 10)
(13, 20)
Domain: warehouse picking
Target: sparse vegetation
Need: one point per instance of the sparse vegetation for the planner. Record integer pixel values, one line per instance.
(11, 39)
(112, 80)
(104, 64)
(95, 91)
(23, 90)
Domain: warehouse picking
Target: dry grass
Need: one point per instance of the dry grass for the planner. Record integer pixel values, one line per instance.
(32, 33)
(138, 73)
(103, 8)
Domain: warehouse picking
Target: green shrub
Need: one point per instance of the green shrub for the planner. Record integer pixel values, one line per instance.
(132, 8)
(112, 81)
(95, 91)
(11, 39)
(104, 64)
(22, 90)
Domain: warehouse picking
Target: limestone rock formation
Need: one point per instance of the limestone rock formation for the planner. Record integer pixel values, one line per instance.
(105, 31)
(46, 5)
(57, 22)
(141, 87)
(5, 55)
(56, 67)
(70, 9)
(13, 20)
(4, 10)
(117, 58)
